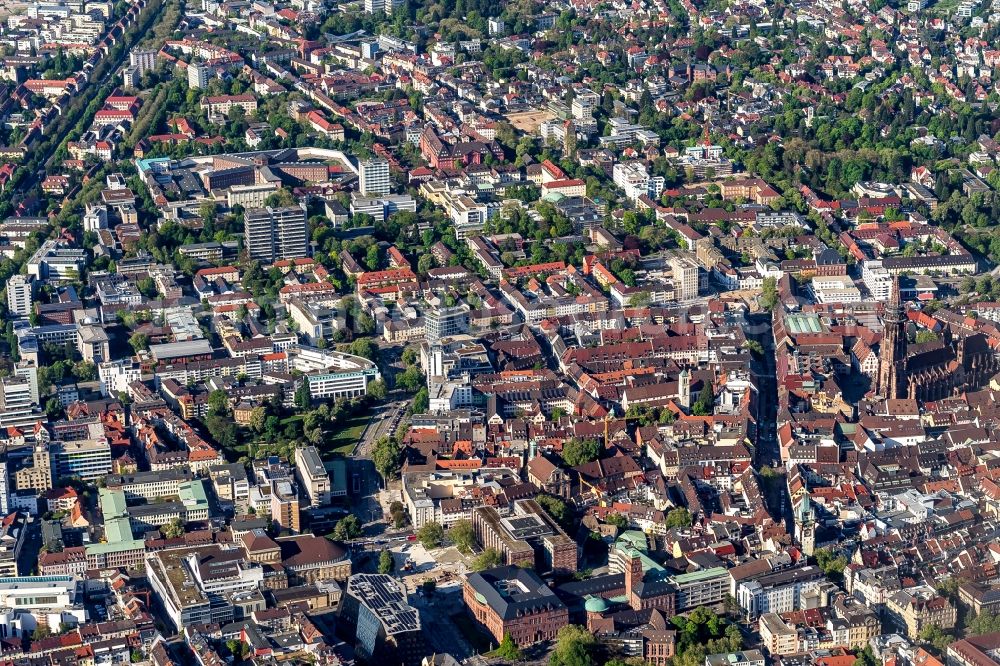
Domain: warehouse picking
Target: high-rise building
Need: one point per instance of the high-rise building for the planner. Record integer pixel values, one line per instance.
(16, 403)
(892, 352)
(685, 275)
(4, 486)
(374, 175)
(270, 234)
(312, 475)
(29, 370)
(19, 291)
(144, 60)
(198, 75)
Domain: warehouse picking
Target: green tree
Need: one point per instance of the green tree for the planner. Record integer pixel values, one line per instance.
(487, 559)
(218, 403)
(173, 529)
(579, 451)
(508, 650)
(347, 528)
(575, 646)
(385, 562)
(936, 638)
(398, 514)
(139, 342)
(832, 565)
(411, 379)
(376, 390)
(387, 456)
(679, 517)
(555, 507)
(705, 404)
(421, 401)
(984, 623)
(463, 535)
(618, 520)
(769, 293)
(431, 535)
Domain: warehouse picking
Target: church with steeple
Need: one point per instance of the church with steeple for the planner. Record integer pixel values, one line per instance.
(959, 359)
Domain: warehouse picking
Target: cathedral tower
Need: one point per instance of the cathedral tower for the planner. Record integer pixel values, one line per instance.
(892, 350)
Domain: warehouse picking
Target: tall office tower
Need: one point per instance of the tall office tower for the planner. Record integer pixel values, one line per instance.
(374, 178)
(270, 234)
(19, 291)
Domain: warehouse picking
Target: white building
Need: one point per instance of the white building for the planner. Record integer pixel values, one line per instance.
(374, 177)
(633, 178)
(333, 374)
(779, 592)
(19, 293)
(877, 280)
(198, 75)
(312, 475)
(835, 289)
(116, 376)
(27, 602)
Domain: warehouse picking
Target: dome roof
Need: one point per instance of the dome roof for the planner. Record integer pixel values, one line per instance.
(595, 605)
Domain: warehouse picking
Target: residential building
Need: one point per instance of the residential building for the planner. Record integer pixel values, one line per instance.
(270, 234)
(20, 289)
(373, 176)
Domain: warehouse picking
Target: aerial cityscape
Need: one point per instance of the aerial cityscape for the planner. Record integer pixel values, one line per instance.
(555, 332)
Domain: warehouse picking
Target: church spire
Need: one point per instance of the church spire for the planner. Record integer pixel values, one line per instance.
(892, 351)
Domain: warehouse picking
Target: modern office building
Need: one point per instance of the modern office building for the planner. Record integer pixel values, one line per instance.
(19, 292)
(89, 459)
(374, 177)
(528, 537)
(27, 602)
(119, 548)
(386, 628)
(442, 321)
(779, 592)
(270, 234)
(685, 277)
(17, 402)
(55, 262)
(333, 374)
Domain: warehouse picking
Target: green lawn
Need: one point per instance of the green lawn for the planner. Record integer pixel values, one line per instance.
(346, 436)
